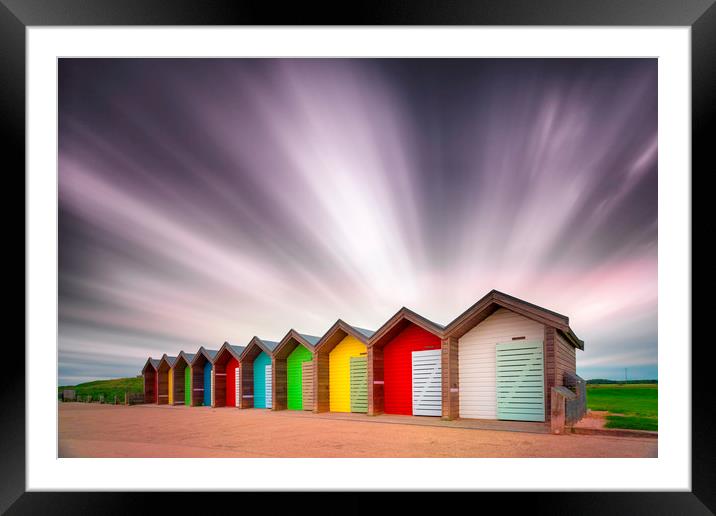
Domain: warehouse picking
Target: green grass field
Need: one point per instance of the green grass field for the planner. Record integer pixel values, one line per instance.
(109, 388)
(632, 406)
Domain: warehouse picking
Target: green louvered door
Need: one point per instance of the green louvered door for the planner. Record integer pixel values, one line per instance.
(359, 384)
(307, 379)
(187, 386)
(520, 381)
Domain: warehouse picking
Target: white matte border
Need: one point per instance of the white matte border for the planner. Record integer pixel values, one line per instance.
(671, 470)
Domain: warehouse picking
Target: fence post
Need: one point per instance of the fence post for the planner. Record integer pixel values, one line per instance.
(557, 413)
(560, 395)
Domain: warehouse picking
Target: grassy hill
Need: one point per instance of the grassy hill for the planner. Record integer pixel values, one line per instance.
(109, 388)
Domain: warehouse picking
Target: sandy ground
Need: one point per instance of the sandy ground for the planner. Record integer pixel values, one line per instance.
(93, 430)
(593, 419)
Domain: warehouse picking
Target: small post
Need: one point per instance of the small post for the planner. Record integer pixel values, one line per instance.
(557, 413)
(126, 398)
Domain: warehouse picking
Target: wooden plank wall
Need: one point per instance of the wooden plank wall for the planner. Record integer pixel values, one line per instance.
(178, 394)
(320, 380)
(280, 385)
(565, 359)
(375, 381)
(450, 378)
(150, 380)
(246, 375)
(550, 373)
(163, 388)
(218, 398)
(197, 387)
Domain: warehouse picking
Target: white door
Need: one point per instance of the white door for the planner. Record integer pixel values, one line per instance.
(213, 374)
(520, 381)
(427, 383)
(237, 384)
(269, 393)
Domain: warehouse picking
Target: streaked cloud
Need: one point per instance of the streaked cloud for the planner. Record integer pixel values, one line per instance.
(212, 200)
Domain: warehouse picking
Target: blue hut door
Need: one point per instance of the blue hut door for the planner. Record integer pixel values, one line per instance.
(207, 385)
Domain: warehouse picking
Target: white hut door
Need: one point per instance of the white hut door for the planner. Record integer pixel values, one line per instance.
(237, 385)
(427, 383)
(520, 381)
(269, 393)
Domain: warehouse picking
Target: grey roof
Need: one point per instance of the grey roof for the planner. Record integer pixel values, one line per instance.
(211, 352)
(312, 339)
(154, 362)
(170, 360)
(367, 333)
(270, 344)
(189, 356)
(237, 349)
(437, 325)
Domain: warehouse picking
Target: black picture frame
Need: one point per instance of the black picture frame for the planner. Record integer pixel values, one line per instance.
(17, 15)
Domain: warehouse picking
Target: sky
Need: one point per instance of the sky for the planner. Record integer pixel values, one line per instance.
(211, 200)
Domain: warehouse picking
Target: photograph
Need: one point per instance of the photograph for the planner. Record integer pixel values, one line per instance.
(357, 257)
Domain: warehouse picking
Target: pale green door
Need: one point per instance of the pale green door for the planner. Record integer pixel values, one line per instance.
(359, 384)
(520, 381)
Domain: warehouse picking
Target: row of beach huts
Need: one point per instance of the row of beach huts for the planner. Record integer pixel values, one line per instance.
(500, 360)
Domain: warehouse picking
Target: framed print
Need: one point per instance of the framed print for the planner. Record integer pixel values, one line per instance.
(403, 248)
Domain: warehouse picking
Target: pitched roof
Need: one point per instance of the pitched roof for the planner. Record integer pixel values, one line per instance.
(187, 357)
(267, 346)
(311, 339)
(307, 341)
(151, 362)
(208, 354)
(367, 333)
(270, 344)
(234, 350)
(169, 360)
(396, 322)
(495, 299)
(338, 332)
(238, 349)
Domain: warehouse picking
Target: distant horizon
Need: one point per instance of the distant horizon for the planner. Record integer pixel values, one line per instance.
(211, 200)
(654, 379)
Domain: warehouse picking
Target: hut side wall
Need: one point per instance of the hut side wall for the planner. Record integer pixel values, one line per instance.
(150, 381)
(376, 370)
(163, 387)
(197, 381)
(219, 396)
(321, 382)
(450, 378)
(246, 377)
(179, 384)
(280, 384)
